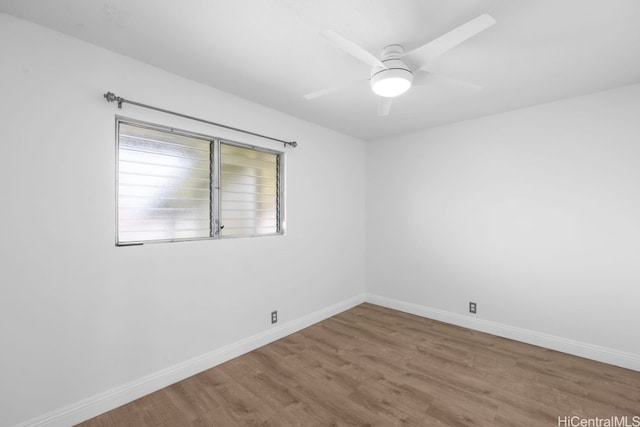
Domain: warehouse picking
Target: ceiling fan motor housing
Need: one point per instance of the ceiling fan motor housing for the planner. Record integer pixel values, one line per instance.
(396, 78)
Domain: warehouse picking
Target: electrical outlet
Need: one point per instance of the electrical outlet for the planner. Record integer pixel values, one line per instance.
(274, 317)
(472, 307)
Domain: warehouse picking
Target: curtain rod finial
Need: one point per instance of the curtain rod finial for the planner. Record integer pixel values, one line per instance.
(110, 97)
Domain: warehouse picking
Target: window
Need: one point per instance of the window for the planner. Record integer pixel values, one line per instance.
(175, 186)
(249, 191)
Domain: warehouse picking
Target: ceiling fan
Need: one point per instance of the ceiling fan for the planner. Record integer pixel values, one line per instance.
(396, 70)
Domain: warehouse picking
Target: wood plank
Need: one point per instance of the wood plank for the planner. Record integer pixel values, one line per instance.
(374, 366)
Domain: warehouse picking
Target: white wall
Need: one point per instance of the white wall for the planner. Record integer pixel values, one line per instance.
(79, 316)
(534, 214)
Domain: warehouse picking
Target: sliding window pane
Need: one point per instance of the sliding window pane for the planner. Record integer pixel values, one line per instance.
(249, 193)
(163, 185)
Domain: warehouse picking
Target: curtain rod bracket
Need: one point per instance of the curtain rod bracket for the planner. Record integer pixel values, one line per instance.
(111, 97)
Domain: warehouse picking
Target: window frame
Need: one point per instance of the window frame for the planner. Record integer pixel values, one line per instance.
(214, 182)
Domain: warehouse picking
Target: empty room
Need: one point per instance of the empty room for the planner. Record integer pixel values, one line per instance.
(316, 213)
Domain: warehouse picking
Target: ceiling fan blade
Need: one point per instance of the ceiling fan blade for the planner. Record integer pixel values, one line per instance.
(332, 89)
(352, 49)
(384, 105)
(423, 55)
(424, 78)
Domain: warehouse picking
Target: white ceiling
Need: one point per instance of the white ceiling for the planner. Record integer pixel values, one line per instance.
(270, 51)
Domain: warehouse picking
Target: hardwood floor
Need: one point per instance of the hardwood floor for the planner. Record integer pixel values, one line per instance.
(375, 366)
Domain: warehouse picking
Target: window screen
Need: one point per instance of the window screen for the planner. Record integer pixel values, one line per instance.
(167, 187)
(249, 191)
(163, 186)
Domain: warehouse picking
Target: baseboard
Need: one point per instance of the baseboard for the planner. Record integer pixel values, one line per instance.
(111, 399)
(576, 348)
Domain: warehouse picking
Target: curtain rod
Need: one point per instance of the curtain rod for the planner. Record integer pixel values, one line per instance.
(111, 97)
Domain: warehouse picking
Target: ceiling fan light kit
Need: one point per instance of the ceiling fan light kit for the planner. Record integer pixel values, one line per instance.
(391, 83)
(395, 78)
